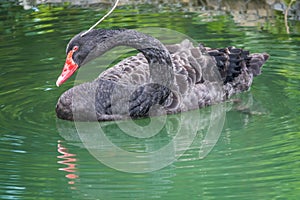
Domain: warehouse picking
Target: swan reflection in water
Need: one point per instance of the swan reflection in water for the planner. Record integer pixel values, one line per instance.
(150, 144)
(200, 133)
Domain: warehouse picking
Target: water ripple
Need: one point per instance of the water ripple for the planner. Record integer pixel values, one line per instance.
(256, 156)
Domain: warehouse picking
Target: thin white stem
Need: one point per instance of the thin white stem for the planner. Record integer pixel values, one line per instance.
(286, 16)
(98, 22)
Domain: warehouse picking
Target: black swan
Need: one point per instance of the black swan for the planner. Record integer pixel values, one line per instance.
(174, 78)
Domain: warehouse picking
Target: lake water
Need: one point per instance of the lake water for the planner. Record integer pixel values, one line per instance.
(228, 151)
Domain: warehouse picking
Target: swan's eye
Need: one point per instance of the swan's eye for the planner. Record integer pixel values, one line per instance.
(75, 48)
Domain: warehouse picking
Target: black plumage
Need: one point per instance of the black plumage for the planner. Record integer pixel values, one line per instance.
(176, 78)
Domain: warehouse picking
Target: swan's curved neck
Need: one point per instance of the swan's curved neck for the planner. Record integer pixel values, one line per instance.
(158, 57)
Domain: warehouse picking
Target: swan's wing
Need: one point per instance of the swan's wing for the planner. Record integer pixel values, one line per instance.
(196, 77)
(203, 76)
(133, 70)
(132, 93)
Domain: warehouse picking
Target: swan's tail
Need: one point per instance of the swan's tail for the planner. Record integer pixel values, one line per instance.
(232, 62)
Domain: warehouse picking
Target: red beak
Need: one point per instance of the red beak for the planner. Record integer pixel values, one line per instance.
(69, 68)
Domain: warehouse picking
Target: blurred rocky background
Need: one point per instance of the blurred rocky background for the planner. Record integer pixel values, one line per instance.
(244, 12)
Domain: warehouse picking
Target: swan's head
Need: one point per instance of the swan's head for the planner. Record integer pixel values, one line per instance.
(83, 48)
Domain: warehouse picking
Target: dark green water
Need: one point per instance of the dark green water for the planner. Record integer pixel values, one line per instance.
(255, 152)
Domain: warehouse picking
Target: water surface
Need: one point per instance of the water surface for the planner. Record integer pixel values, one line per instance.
(256, 154)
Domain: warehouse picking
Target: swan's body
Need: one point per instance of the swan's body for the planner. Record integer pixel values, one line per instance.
(177, 77)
